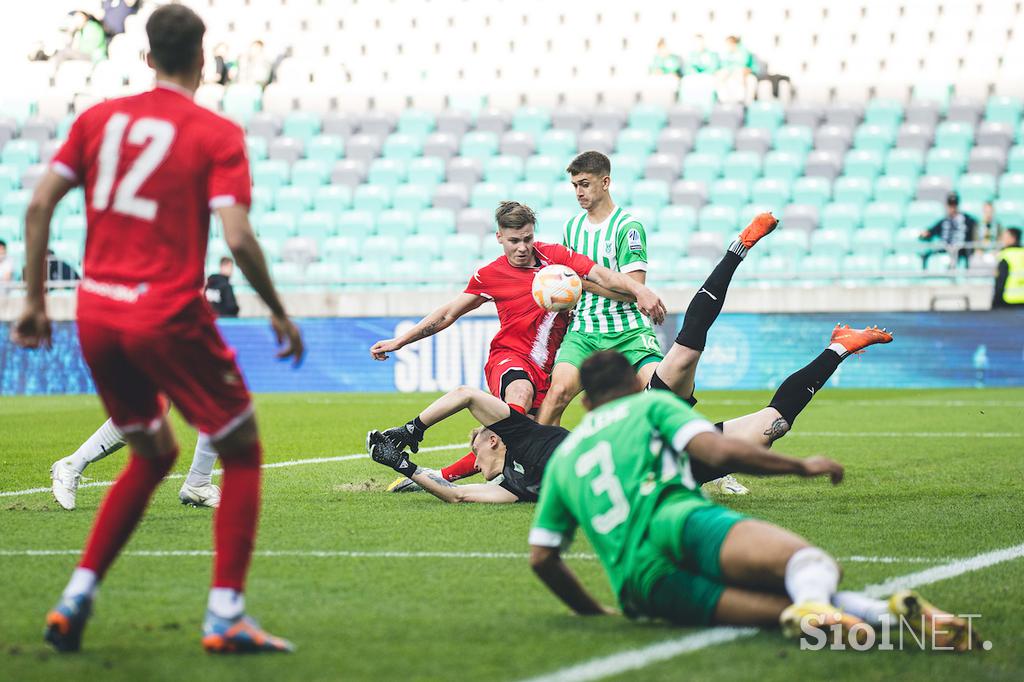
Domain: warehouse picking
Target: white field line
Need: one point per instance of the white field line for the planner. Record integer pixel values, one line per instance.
(882, 402)
(635, 659)
(270, 465)
(908, 434)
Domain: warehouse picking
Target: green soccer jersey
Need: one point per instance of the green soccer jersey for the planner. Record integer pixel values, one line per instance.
(611, 472)
(619, 243)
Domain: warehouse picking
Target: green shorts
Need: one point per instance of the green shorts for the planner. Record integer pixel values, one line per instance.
(677, 576)
(640, 346)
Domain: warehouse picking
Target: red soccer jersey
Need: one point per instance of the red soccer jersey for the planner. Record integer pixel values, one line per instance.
(153, 166)
(526, 329)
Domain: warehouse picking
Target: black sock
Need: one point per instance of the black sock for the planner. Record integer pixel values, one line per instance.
(702, 473)
(797, 390)
(418, 427)
(707, 302)
(656, 383)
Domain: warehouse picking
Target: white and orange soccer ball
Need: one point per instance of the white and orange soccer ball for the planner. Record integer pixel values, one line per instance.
(556, 288)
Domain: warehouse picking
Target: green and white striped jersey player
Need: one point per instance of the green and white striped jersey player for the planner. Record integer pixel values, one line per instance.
(603, 319)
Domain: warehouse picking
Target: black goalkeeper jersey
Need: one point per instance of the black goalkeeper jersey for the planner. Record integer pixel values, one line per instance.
(529, 446)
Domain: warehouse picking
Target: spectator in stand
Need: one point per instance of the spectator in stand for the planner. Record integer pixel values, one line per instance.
(701, 59)
(254, 66)
(737, 76)
(665, 62)
(88, 39)
(59, 270)
(219, 292)
(223, 66)
(6, 266)
(114, 14)
(1009, 288)
(989, 229)
(955, 230)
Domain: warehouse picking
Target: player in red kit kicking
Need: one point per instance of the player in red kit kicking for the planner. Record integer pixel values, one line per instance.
(153, 167)
(519, 365)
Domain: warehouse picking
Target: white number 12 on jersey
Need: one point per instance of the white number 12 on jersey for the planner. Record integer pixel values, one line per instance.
(157, 136)
(604, 483)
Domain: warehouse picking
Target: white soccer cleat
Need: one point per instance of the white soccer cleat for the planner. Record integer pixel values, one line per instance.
(728, 485)
(65, 483)
(200, 495)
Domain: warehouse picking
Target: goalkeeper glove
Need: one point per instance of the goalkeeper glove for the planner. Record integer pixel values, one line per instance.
(383, 451)
(409, 435)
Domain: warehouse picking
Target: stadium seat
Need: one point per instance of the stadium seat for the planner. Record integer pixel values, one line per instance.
(1015, 159)
(256, 147)
(363, 147)
(976, 187)
(324, 273)
(287, 149)
(479, 145)
(842, 217)
(819, 268)
(270, 174)
(416, 122)
(536, 195)
(396, 223)
(859, 269)
(422, 249)
(884, 112)
(387, 171)
(402, 146)
(713, 140)
(540, 168)
(987, 160)
(676, 141)
(15, 202)
(364, 275)
(1011, 187)
(356, 223)
(241, 101)
(648, 117)
(719, 219)
(954, 135)
(349, 172)
(690, 194)
(294, 200)
(994, 134)
(757, 140)
(505, 170)
(487, 195)
(790, 244)
(557, 144)
(883, 215)
(893, 188)
(921, 215)
(332, 198)
(771, 192)
(628, 168)
(765, 114)
(781, 165)
(317, 225)
(706, 245)
(873, 242)
(833, 138)
(744, 166)
(597, 140)
(435, 222)
(411, 197)
(441, 145)
(732, 193)
(1011, 212)
(427, 170)
(691, 269)
(812, 191)
(653, 194)
(934, 188)
(827, 242)
(915, 136)
(310, 173)
(20, 154)
(1004, 109)
(303, 125)
(71, 227)
(371, 198)
(874, 137)
(852, 190)
(794, 138)
(518, 144)
(533, 120)
(664, 167)
(327, 148)
(462, 249)
(276, 226)
(702, 167)
(862, 163)
(677, 220)
(635, 142)
(949, 162)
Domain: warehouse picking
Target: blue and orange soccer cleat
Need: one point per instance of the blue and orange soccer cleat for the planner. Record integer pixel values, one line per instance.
(66, 622)
(241, 635)
(856, 340)
(761, 226)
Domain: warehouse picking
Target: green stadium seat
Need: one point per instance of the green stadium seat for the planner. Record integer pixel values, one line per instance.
(885, 112)
(649, 117)
(332, 198)
(744, 166)
(691, 269)
(648, 217)
(852, 190)
(356, 223)
(69, 250)
(789, 244)
(544, 169)
(396, 223)
(621, 188)
(563, 198)
(463, 249)
(10, 178)
(859, 269)
(954, 135)
(402, 146)
(819, 268)
(371, 198)
(874, 137)
(288, 275)
(310, 173)
(18, 106)
(365, 275)
(304, 125)
(64, 126)
(907, 163)
(767, 114)
(536, 195)
(721, 219)
(774, 265)
(900, 268)
(921, 215)
(874, 242)
(20, 153)
(783, 165)
(328, 148)
(73, 203)
(1010, 211)
(241, 101)
(412, 197)
(733, 193)
(627, 167)
(340, 249)
(637, 142)
(488, 195)
(479, 145)
(1015, 159)
(505, 170)
(316, 225)
(436, 222)
(883, 215)
(416, 122)
(560, 144)
(270, 174)
(271, 249)
(14, 203)
(324, 273)
(812, 192)
(666, 246)
(702, 167)
(427, 170)
(421, 249)
(977, 187)
(276, 226)
(795, 139)
(651, 194)
(256, 147)
(846, 217)
(10, 228)
(907, 240)
(1004, 109)
(893, 188)
(262, 200)
(387, 172)
(1011, 186)
(294, 200)
(771, 192)
(714, 140)
(862, 163)
(932, 91)
(677, 220)
(533, 120)
(940, 264)
(830, 242)
(947, 162)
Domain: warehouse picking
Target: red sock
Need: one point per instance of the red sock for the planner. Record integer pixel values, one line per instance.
(122, 508)
(460, 469)
(518, 408)
(234, 527)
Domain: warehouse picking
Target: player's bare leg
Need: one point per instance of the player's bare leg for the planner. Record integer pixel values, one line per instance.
(739, 606)
(565, 385)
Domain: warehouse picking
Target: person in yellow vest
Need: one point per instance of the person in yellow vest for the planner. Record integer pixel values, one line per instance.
(1010, 275)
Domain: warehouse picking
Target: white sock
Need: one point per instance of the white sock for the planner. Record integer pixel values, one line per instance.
(107, 439)
(811, 576)
(839, 349)
(201, 471)
(872, 611)
(226, 603)
(83, 581)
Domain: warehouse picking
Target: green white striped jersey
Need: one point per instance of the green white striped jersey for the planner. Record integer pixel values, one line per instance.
(620, 244)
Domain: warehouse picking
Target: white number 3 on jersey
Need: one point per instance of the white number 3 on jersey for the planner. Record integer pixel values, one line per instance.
(156, 135)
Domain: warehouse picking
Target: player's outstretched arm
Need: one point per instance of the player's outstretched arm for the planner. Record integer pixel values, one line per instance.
(648, 301)
(547, 563)
(442, 318)
(247, 252)
(33, 328)
(732, 454)
(484, 407)
(607, 293)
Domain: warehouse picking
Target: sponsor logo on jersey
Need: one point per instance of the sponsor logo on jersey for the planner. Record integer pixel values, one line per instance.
(633, 238)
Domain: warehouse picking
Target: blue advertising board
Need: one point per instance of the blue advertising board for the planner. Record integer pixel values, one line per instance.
(744, 351)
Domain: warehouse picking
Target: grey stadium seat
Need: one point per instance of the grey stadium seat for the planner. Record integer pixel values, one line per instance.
(48, 149)
(598, 140)
(915, 136)
(810, 115)
(31, 175)
(517, 143)
(994, 134)
(704, 245)
(823, 163)
(8, 127)
(685, 116)
(608, 118)
(285, 149)
(453, 122)
(965, 110)
(989, 160)
(38, 129)
(663, 167)
(493, 121)
(800, 217)
(753, 140)
(726, 116)
(350, 172)
(441, 145)
(934, 188)
(678, 141)
(300, 250)
(464, 171)
(478, 221)
(689, 193)
(922, 113)
(262, 124)
(376, 123)
(363, 146)
(337, 123)
(569, 118)
(452, 196)
(849, 115)
(833, 138)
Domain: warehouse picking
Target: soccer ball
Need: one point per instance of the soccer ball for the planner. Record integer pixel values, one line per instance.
(556, 288)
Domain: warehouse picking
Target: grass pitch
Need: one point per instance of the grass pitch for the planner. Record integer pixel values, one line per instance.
(377, 586)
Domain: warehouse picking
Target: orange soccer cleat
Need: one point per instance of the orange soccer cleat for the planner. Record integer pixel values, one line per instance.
(760, 226)
(856, 340)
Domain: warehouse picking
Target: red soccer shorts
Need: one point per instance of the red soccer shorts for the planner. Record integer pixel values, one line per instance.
(189, 362)
(504, 367)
